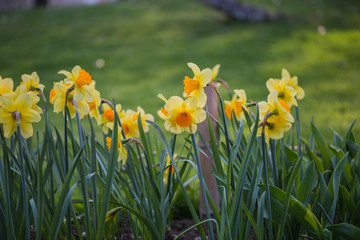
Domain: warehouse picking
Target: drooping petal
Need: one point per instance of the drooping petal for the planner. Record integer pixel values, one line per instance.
(194, 68)
(26, 129)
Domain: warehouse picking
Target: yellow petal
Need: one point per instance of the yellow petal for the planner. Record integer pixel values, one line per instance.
(194, 68)
(26, 129)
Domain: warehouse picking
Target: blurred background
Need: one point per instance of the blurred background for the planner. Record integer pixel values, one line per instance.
(137, 49)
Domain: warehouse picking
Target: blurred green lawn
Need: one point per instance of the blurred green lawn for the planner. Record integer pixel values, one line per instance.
(146, 45)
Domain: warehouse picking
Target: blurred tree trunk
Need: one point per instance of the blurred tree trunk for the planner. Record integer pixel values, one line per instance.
(241, 11)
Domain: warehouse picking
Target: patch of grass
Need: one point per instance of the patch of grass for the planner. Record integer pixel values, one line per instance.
(146, 45)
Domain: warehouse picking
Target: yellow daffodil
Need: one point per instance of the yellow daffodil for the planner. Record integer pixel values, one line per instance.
(122, 151)
(59, 102)
(275, 117)
(32, 82)
(183, 115)
(6, 86)
(80, 79)
(285, 91)
(236, 105)
(195, 86)
(163, 112)
(22, 104)
(300, 94)
(129, 124)
(144, 117)
(108, 116)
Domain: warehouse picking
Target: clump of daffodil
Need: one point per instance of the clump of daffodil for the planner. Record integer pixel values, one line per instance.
(236, 105)
(300, 94)
(58, 98)
(6, 86)
(180, 115)
(122, 151)
(17, 107)
(195, 86)
(275, 117)
(95, 104)
(286, 92)
(108, 115)
(32, 82)
(80, 80)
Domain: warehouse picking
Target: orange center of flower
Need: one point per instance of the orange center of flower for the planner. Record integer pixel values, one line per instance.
(126, 128)
(91, 105)
(190, 85)
(83, 78)
(109, 115)
(237, 107)
(284, 105)
(228, 111)
(183, 119)
(52, 95)
(108, 143)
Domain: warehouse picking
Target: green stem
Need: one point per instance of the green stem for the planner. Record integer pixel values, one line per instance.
(267, 183)
(273, 158)
(23, 186)
(202, 186)
(66, 156)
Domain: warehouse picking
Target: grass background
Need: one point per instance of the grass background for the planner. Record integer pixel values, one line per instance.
(146, 45)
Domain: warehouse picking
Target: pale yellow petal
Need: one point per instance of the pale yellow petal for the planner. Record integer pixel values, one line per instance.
(26, 129)
(194, 68)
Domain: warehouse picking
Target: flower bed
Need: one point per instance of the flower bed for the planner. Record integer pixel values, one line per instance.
(268, 181)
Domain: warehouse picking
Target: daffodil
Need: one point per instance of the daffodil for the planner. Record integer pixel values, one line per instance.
(60, 91)
(300, 94)
(163, 112)
(129, 124)
(95, 104)
(195, 86)
(285, 92)
(169, 166)
(18, 104)
(236, 105)
(108, 116)
(80, 79)
(6, 86)
(122, 151)
(275, 117)
(32, 82)
(183, 115)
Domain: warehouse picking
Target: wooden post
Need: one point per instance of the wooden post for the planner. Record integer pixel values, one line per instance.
(206, 162)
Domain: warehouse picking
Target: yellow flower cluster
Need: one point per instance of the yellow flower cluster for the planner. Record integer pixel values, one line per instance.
(275, 114)
(20, 106)
(183, 115)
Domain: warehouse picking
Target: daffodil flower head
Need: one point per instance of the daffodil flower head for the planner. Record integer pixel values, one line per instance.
(19, 103)
(275, 117)
(143, 117)
(6, 86)
(32, 82)
(122, 151)
(130, 124)
(195, 86)
(107, 117)
(236, 105)
(183, 115)
(293, 82)
(285, 92)
(61, 89)
(80, 79)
